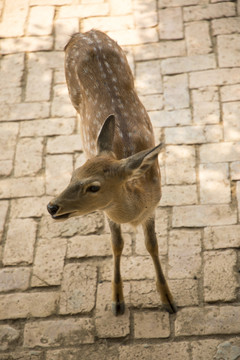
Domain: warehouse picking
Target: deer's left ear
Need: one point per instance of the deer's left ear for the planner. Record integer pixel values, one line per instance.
(136, 165)
(106, 135)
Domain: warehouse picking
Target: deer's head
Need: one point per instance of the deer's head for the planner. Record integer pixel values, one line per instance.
(96, 184)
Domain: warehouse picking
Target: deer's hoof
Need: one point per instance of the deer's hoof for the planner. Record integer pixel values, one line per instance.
(118, 308)
(170, 307)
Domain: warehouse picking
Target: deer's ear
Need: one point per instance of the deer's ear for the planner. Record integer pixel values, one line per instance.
(136, 165)
(106, 135)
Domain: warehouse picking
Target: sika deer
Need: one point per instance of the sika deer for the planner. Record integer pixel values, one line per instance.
(121, 176)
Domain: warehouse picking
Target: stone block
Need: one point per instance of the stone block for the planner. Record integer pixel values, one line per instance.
(14, 279)
(214, 77)
(28, 158)
(29, 207)
(8, 137)
(235, 170)
(173, 3)
(185, 135)
(8, 335)
(134, 36)
(222, 237)
(176, 95)
(106, 23)
(220, 275)
(108, 325)
(203, 215)
(214, 183)
(35, 24)
(24, 111)
(213, 133)
(83, 11)
(180, 165)
(148, 77)
(59, 169)
(231, 121)
(177, 351)
(222, 152)
(63, 28)
(3, 214)
(123, 8)
(152, 102)
(13, 19)
(228, 50)
(49, 262)
(93, 352)
(64, 144)
(230, 92)
(151, 325)
(198, 38)
(19, 247)
(178, 195)
(61, 104)
(209, 11)
(21, 187)
(184, 254)
(78, 289)
(49, 127)
(12, 67)
(204, 349)
(38, 88)
(208, 321)
(188, 64)
(170, 118)
(26, 44)
(170, 23)
(61, 332)
(225, 26)
(163, 49)
(26, 305)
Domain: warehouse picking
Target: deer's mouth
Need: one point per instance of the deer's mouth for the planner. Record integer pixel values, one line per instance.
(61, 217)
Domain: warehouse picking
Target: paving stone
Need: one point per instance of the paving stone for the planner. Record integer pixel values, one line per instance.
(180, 165)
(235, 170)
(173, 3)
(106, 23)
(170, 118)
(214, 77)
(54, 126)
(64, 332)
(148, 77)
(230, 92)
(108, 325)
(84, 225)
(64, 144)
(8, 335)
(206, 108)
(83, 11)
(123, 8)
(225, 26)
(151, 325)
(231, 121)
(170, 23)
(134, 36)
(177, 351)
(188, 64)
(63, 28)
(61, 104)
(184, 254)
(220, 276)
(26, 305)
(19, 247)
(29, 207)
(208, 320)
(8, 137)
(50, 2)
(48, 262)
(214, 184)
(238, 197)
(203, 215)
(185, 135)
(26, 355)
(59, 170)
(3, 213)
(179, 195)
(228, 44)
(204, 349)
(228, 349)
(221, 237)
(222, 152)
(184, 291)
(24, 111)
(95, 245)
(176, 95)
(164, 49)
(14, 279)
(208, 11)
(14, 17)
(93, 352)
(35, 24)
(21, 187)
(198, 38)
(26, 43)
(6, 167)
(78, 289)
(28, 160)
(152, 102)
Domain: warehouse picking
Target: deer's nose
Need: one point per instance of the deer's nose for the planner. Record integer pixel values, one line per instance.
(52, 209)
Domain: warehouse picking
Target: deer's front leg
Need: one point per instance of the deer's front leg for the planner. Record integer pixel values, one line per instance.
(152, 247)
(118, 305)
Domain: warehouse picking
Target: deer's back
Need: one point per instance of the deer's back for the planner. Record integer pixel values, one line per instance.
(101, 83)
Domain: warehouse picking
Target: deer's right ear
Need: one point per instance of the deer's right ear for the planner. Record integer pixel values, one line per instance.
(106, 135)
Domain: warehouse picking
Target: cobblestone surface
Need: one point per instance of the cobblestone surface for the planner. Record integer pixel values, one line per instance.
(55, 279)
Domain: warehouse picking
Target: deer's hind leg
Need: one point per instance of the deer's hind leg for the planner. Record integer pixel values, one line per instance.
(152, 247)
(118, 305)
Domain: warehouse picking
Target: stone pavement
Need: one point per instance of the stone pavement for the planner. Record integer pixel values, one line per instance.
(55, 277)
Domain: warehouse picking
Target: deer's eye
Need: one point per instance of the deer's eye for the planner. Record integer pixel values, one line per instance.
(93, 188)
